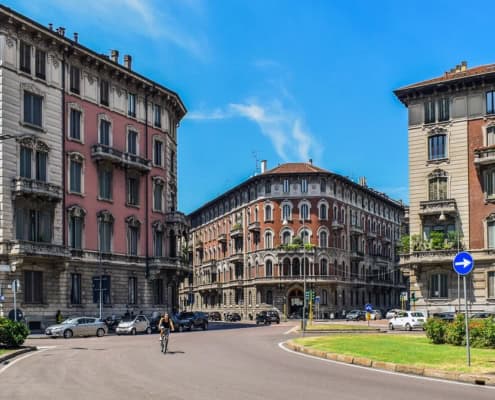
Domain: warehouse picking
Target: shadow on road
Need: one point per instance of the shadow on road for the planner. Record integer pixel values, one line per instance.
(175, 352)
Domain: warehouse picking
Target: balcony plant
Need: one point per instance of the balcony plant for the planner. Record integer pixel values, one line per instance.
(405, 244)
(437, 240)
(236, 226)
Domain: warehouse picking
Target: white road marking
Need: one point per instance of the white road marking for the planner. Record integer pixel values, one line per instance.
(17, 359)
(383, 371)
(293, 329)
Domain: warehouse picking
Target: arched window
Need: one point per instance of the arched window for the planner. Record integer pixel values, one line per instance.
(295, 267)
(437, 185)
(323, 239)
(304, 212)
(323, 211)
(286, 212)
(335, 213)
(286, 267)
(269, 297)
(437, 146)
(286, 237)
(324, 297)
(324, 267)
(268, 268)
(268, 240)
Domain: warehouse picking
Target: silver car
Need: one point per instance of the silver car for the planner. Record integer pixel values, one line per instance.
(139, 324)
(81, 326)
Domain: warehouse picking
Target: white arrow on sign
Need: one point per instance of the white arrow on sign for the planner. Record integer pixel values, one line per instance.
(5, 268)
(465, 263)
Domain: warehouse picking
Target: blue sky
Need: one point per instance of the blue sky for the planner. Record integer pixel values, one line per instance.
(283, 80)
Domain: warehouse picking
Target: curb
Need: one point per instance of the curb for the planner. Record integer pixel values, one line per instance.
(16, 353)
(342, 331)
(475, 379)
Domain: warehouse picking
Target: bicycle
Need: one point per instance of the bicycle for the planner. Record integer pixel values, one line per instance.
(164, 340)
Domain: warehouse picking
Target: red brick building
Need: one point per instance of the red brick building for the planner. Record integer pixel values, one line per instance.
(255, 246)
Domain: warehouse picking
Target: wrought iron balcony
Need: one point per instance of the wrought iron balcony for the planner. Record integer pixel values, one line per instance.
(484, 156)
(133, 161)
(33, 188)
(433, 207)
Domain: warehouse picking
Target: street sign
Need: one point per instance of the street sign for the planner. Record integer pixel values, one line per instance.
(368, 307)
(5, 268)
(463, 263)
(317, 299)
(403, 296)
(16, 285)
(2, 297)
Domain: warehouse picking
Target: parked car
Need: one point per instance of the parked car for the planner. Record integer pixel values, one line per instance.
(392, 313)
(233, 317)
(215, 316)
(376, 315)
(445, 316)
(188, 320)
(138, 324)
(482, 315)
(82, 326)
(267, 317)
(407, 320)
(356, 315)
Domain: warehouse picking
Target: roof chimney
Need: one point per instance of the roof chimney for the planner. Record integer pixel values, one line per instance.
(463, 65)
(311, 161)
(458, 68)
(362, 181)
(50, 26)
(76, 37)
(263, 166)
(114, 56)
(128, 61)
(61, 31)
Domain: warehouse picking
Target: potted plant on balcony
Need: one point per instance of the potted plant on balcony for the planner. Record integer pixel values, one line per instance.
(437, 240)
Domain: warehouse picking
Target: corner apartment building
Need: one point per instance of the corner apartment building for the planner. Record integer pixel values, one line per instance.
(88, 178)
(451, 130)
(255, 245)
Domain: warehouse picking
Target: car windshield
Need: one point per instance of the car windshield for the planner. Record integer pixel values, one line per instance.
(417, 314)
(70, 321)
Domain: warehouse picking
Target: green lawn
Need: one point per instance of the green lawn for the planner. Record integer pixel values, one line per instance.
(405, 349)
(338, 327)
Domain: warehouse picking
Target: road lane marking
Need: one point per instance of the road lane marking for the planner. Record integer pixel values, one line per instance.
(293, 329)
(383, 371)
(17, 359)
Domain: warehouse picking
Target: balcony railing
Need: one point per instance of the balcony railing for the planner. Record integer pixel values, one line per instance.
(433, 207)
(236, 231)
(337, 225)
(127, 160)
(428, 257)
(484, 156)
(254, 226)
(33, 188)
(37, 249)
(356, 229)
(133, 161)
(222, 238)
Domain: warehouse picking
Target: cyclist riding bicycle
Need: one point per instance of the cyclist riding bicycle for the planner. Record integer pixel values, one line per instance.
(165, 325)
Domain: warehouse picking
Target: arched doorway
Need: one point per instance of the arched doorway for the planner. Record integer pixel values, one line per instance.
(295, 299)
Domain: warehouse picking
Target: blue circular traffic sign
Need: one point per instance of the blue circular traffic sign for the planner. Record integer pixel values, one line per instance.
(368, 307)
(463, 263)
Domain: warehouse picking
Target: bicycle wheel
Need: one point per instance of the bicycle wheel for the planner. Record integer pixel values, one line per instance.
(165, 345)
(162, 345)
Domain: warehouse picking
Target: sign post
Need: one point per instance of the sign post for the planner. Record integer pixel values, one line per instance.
(368, 308)
(15, 287)
(463, 264)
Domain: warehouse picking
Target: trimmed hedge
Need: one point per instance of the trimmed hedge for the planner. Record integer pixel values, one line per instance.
(481, 331)
(12, 334)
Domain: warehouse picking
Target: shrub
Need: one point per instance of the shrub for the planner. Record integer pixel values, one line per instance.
(436, 240)
(12, 334)
(405, 244)
(482, 333)
(435, 330)
(456, 331)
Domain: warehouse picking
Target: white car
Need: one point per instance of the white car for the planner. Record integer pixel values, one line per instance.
(139, 324)
(407, 320)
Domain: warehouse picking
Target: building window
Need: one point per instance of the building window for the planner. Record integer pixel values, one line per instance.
(75, 124)
(41, 162)
(437, 187)
(304, 212)
(105, 231)
(490, 136)
(104, 132)
(104, 92)
(429, 112)
(158, 196)
(101, 284)
(490, 102)
(489, 180)
(286, 237)
(443, 109)
(304, 186)
(75, 288)
(25, 162)
(158, 297)
(32, 109)
(133, 290)
(324, 267)
(268, 187)
(268, 213)
(438, 286)
(323, 239)
(157, 111)
(75, 79)
(437, 147)
(132, 190)
(33, 287)
(158, 153)
(323, 211)
(172, 161)
(131, 104)
(132, 240)
(268, 240)
(286, 186)
(286, 212)
(105, 175)
(75, 231)
(75, 176)
(491, 234)
(491, 284)
(324, 297)
(25, 57)
(132, 142)
(323, 186)
(33, 225)
(269, 297)
(40, 64)
(269, 268)
(158, 243)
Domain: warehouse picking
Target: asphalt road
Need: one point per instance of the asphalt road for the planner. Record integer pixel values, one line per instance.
(242, 363)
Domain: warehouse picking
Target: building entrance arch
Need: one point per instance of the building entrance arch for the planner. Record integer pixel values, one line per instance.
(295, 299)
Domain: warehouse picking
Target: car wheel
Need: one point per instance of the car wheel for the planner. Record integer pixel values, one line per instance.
(205, 326)
(68, 334)
(391, 326)
(408, 327)
(133, 331)
(278, 321)
(148, 330)
(100, 332)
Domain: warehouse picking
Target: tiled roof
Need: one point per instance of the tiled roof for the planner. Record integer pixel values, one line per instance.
(295, 168)
(452, 76)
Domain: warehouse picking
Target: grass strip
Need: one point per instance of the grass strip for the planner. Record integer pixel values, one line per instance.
(339, 327)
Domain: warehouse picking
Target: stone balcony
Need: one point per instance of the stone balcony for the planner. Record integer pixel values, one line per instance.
(21, 248)
(336, 225)
(222, 238)
(176, 217)
(32, 188)
(428, 257)
(126, 160)
(436, 207)
(484, 156)
(356, 229)
(133, 161)
(254, 227)
(236, 231)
